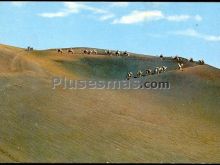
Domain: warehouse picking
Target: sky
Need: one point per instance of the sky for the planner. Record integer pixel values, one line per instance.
(187, 29)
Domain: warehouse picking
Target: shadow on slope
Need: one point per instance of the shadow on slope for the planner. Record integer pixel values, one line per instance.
(113, 68)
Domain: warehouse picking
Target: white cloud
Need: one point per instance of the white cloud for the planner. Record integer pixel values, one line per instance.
(198, 18)
(194, 33)
(177, 17)
(135, 16)
(212, 38)
(119, 4)
(73, 7)
(107, 16)
(51, 15)
(77, 6)
(18, 3)
(140, 16)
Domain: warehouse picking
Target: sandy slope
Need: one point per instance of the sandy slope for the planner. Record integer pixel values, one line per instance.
(39, 124)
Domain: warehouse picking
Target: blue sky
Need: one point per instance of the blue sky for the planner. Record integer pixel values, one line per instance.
(171, 28)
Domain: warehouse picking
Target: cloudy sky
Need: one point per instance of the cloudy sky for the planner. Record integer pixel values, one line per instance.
(171, 28)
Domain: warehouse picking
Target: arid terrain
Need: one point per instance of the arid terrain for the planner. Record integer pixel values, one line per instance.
(41, 124)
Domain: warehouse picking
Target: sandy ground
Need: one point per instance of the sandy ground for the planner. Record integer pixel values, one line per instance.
(39, 124)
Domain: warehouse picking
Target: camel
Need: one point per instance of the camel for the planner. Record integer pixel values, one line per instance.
(60, 51)
(89, 51)
(164, 68)
(180, 66)
(126, 53)
(85, 51)
(108, 52)
(156, 70)
(95, 51)
(139, 73)
(129, 75)
(178, 59)
(70, 51)
(117, 53)
(201, 62)
(148, 71)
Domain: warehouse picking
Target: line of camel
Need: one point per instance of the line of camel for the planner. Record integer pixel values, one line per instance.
(94, 51)
(161, 69)
(148, 71)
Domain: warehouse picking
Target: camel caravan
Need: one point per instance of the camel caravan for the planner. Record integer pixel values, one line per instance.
(116, 53)
(200, 62)
(29, 48)
(156, 70)
(107, 52)
(68, 51)
(95, 52)
(181, 60)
